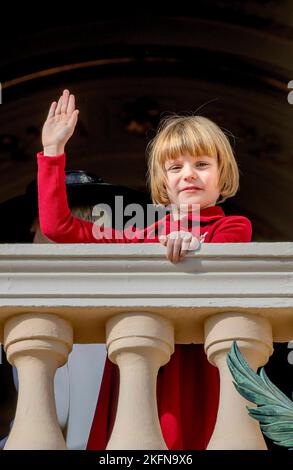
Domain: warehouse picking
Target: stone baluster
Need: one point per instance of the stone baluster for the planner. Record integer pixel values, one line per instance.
(36, 345)
(139, 343)
(234, 428)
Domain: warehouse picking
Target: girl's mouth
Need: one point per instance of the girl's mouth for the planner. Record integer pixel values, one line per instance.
(191, 188)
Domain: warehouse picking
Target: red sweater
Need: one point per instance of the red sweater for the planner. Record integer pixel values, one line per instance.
(188, 386)
(60, 226)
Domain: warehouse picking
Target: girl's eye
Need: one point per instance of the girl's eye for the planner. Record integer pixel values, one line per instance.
(174, 167)
(202, 164)
(197, 164)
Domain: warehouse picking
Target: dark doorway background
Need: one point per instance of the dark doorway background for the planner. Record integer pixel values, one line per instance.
(231, 61)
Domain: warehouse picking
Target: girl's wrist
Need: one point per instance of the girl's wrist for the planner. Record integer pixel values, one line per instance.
(53, 150)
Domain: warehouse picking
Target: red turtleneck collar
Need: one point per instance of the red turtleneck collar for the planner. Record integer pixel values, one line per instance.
(206, 215)
(211, 213)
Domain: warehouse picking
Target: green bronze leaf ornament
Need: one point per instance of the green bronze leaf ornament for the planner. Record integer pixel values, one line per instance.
(274, 409)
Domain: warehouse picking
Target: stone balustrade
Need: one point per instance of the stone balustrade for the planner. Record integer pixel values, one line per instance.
(140, 304)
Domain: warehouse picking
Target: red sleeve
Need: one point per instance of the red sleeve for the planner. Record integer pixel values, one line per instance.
(233, 229)
(56, 221)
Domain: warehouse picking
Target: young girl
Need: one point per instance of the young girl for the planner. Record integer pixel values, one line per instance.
(190, 162)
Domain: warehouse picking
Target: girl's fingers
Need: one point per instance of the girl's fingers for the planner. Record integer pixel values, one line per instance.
(179, 244)
(183, 253)
(58, 109)
(52, 110)
(65, 98)
(71, 105)
(170, 249)
(186, 243)
(73, 119)
(194, 244)
(177, 250)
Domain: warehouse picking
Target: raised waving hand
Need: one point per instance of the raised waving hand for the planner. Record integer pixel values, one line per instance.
(60, 124)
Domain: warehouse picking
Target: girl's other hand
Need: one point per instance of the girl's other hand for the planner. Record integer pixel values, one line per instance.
(178, 244)
(59, 125)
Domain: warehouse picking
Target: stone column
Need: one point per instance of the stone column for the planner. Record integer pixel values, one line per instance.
(36, 345)
(139, 343)
(234, 428)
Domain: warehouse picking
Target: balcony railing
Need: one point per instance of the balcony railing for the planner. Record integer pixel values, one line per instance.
(136, 301)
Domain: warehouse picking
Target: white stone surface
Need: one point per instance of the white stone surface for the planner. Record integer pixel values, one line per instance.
(87, 284)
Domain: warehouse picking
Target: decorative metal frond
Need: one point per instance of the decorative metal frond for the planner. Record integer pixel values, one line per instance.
(274, 409)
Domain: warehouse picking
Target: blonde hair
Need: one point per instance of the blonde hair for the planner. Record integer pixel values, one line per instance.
(192, 135)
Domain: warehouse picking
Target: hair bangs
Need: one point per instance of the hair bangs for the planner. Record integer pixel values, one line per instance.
(186, 139)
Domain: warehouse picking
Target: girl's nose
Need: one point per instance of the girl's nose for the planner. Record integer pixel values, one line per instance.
(190, 173)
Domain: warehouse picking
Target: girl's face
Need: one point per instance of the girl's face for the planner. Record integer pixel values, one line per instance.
(192, 180)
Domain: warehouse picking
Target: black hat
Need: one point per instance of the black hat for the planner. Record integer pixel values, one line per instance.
(83, 188)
